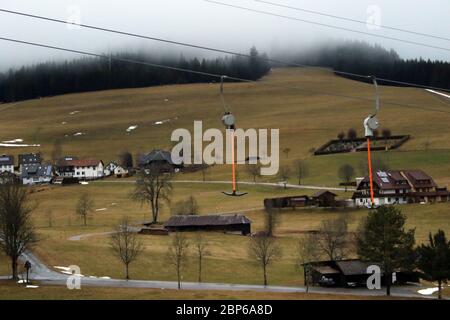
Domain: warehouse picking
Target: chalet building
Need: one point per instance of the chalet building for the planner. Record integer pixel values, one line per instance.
(81, 169)
(224, 223)
(6, 163)
(351, 273)
(29, 159)
(399, 187)
(322, 198)
(33, 174)
(159, 157)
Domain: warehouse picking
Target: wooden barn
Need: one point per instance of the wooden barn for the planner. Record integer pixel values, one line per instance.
(224, 223)
(287, 202)
(350, 273)
(324, 198)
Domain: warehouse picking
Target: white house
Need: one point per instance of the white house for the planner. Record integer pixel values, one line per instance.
(399, 187)
(36, 174)
(109, 168)
(6, 163)
(120, 172)
(82, 169)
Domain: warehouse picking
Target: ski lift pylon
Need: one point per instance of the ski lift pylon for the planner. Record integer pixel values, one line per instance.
(229, 121)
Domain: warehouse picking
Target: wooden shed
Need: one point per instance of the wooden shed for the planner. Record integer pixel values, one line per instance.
(223, 223)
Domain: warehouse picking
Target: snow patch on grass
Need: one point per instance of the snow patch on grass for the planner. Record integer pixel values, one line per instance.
(428, 291)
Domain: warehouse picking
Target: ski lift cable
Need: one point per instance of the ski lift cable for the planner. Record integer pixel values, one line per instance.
(352, 20)
(218, 76)
(326, 25)
(275, 61)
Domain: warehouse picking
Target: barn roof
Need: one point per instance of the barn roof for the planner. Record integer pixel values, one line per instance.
(157, 155)
(29, 158)
(323, 192)
(353, 267)
(206, 220)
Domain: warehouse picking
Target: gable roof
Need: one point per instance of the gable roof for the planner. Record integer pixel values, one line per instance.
(323, 192)
(157, 155)
(36, 170)
(80, 163)
(206, 220)
(6, 160)
(386, 180)
(29, 158)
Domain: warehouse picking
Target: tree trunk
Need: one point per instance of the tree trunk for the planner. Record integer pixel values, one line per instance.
(179, 277)
(388, 283)
(84, 218)
(265, 275)
(14, 268)
(200, 269)
(127, 275)
(439, 289)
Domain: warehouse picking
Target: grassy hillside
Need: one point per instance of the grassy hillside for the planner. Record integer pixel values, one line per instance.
(305, 121)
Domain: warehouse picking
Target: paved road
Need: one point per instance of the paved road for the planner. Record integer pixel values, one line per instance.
(48, 276)
(267, 184)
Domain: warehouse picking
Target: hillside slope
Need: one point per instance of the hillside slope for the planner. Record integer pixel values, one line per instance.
(306, 120)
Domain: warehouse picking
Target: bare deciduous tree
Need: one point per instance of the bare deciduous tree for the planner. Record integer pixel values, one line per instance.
(271, 219)
(125, 244)
(201, 245)
(301, 170)
(306, 253)
(177, 254)
(332, 238)
(284, 173)
(57, 150)
(346, 173)
(16, 228)
(84, 207)
(264, 250)
(254, 170)
(152, 186)
(188, 207)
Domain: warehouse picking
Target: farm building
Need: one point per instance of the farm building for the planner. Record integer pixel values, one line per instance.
(37, 174)
(28, 159)
(159, 157)
(6, 163)
(400, 187)
(223, 223)
(324, 198)
(113, 168)
(350, 273)
(287, 202)
(82, 169)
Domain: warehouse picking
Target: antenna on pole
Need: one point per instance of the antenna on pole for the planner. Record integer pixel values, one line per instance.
(371, 124)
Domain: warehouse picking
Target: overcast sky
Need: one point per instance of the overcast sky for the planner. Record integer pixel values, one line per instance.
(203, 23)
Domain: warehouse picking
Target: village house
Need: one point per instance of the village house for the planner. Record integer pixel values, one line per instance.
(113, 168)
(6, 163)
(399, 187)
(81, 169)
(36, 174)
(28, 159)
(233, 223)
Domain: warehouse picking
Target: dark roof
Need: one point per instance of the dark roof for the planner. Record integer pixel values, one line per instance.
(29, 158)
(79, 163)
(157, 155)
(386, 180)
(36, 170)
(420, 179)
(353, 267)
(6, 160)
(325, 269)
(207, 220)
(323, 192)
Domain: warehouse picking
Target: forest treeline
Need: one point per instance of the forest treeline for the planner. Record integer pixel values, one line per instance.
(92, 74)
(363, 58)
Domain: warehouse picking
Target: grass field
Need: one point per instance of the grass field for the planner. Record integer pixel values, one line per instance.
(305, 121)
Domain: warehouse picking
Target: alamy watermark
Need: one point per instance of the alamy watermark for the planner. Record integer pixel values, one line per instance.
(74, 280)
(373, 21)
(190, 149)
